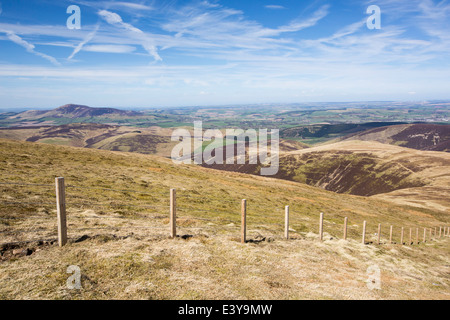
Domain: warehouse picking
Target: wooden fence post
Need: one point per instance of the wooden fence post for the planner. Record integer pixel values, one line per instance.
(401, 237)
(364, 233)
(417, 235)
(379, 233)
(345, 228)
(321, 227)
(410, 236)
(61, 211)
(424, 234)
(440, 232)
(286, 222)
(244, 221)
(390, 234)
(173, 213)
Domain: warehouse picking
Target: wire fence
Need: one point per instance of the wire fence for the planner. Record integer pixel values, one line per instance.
(35, 215)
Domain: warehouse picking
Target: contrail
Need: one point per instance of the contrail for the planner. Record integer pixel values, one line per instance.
(29, 47)
(114, 19)
(80, 46)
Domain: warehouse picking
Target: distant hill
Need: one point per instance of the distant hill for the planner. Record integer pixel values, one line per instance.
(421, 136)
(323, 132)
(152, 140)
(73, 111)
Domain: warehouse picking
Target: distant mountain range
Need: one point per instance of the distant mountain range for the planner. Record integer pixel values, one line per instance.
(74, 111)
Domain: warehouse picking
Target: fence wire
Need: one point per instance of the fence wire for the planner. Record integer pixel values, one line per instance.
(257, 213)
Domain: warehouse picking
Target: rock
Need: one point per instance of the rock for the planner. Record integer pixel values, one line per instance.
(19, 252)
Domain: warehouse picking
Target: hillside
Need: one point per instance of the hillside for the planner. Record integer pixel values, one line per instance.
(149, 140)
(153, 140)
(432, 137)
(367, 168)
(324, 132)
(118, 229)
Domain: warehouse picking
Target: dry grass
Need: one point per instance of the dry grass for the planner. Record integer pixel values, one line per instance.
(127, 254)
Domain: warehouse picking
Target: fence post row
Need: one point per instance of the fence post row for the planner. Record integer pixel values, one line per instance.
(62, 221)
(61, 211)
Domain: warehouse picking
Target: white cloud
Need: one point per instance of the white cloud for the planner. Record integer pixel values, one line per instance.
(274, 7)
(298, 24)
(106, 48)
(114, 19)
(129, 5)
(29, 47)
(116, 4)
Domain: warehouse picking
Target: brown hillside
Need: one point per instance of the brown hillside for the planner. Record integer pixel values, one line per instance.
(117, 215)
(432, 137)
(367, 168)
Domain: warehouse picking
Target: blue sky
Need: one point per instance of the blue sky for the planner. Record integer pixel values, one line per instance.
(182, 53)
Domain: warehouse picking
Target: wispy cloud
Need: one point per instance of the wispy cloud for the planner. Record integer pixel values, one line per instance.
(114, 19)
(298, 24)
(130, 6)
(274, 7)
(229, 28)
(80, 46)
(29, 47)
(106, 48)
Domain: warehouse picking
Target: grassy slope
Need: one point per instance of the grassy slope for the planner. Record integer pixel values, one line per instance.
(129, 255)
(396, 167)
(152, 140)
(417, 136)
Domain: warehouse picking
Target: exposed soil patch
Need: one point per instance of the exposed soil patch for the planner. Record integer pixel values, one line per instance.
(16, 250)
